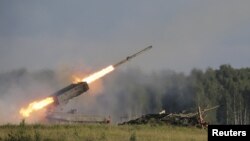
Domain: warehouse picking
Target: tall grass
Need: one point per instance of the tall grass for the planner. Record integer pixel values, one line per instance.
(98, 132)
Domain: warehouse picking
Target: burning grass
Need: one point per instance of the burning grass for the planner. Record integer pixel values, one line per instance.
(95, 132)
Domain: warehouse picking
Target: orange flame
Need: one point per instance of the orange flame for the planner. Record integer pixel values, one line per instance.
(36, 105)
(91, 78)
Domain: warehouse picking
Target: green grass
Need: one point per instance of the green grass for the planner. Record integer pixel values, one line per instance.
(98, 132)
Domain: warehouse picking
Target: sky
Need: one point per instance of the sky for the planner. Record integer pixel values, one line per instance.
(47, 34)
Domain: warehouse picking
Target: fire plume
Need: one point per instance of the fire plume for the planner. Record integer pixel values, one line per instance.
(35, 106)
(97, 75)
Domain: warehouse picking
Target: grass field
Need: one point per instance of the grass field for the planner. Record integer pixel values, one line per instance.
(100, 132)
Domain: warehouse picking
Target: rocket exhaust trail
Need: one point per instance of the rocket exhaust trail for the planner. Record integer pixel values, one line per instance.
(97, 75)
(131, 56)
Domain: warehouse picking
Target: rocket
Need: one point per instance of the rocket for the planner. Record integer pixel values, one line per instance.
(62, 96)
(132, 56)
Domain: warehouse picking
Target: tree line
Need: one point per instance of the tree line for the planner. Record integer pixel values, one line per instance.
(228, 87)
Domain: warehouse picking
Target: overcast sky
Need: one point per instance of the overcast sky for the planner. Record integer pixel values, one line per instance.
(53, 34)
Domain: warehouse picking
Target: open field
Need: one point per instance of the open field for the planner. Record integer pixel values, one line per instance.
(101, 133)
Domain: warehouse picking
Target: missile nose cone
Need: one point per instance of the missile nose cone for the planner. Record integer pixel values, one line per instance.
(150, 46)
